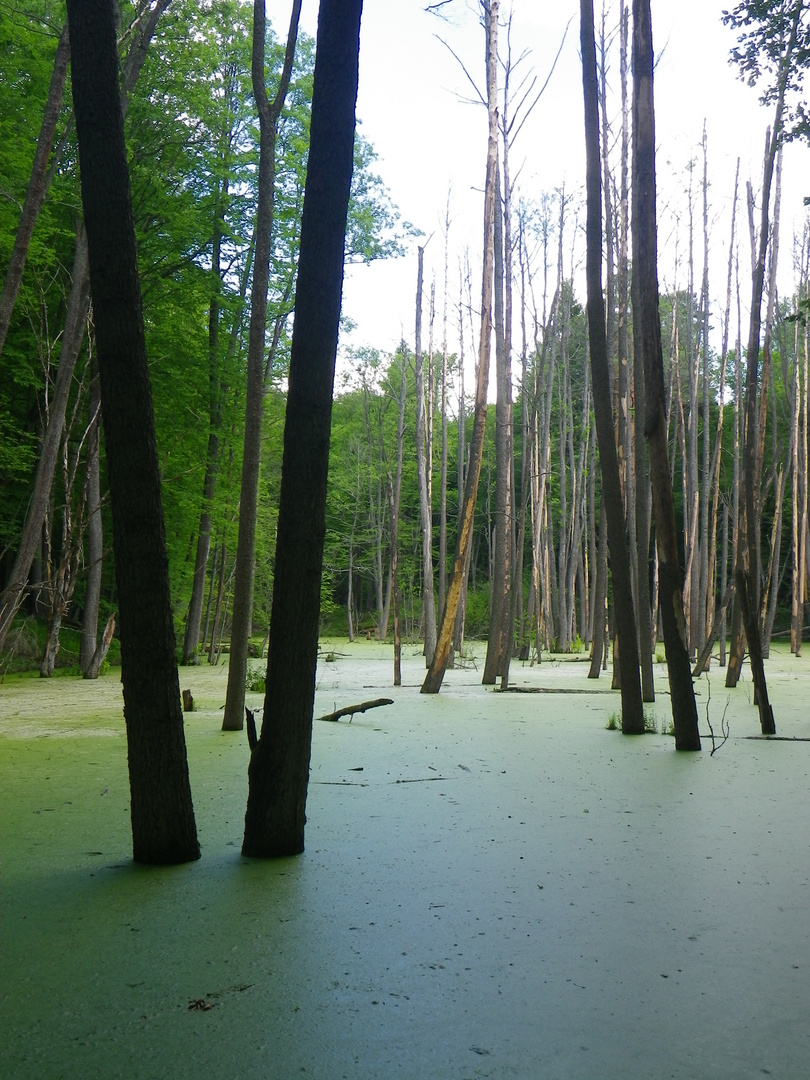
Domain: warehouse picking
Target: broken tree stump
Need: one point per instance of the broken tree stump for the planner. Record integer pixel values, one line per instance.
(350, 710)
(188, 701)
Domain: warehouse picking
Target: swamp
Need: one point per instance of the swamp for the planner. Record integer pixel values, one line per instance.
(494, 885)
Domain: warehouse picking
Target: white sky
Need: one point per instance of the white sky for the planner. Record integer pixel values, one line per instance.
(430, 141)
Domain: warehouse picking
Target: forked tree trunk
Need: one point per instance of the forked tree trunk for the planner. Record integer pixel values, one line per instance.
(163, 827)
(269, 113)
(279, 762)
(632, 707)
(648, 339)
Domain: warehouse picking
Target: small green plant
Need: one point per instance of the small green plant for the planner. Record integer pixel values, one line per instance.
(671, 728)
(660, 656)
(254, 678)
(614, 722)
(577, 645)
(650, 724)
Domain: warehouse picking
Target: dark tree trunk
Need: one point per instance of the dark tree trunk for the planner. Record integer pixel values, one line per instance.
(279, 763)
(163, 827)
(632, 707)
(647, 326)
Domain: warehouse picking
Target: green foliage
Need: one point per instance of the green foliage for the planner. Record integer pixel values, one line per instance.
(255, 678)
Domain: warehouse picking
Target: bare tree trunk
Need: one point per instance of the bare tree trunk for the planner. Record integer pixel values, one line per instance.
(501, 576)
(425, 509)
(648, 339)
(632, 708)
(269, 113)
(799, 571)
(435, 675)
(394, 496)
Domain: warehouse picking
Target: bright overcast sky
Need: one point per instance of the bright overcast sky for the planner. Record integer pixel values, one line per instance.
(413, 106)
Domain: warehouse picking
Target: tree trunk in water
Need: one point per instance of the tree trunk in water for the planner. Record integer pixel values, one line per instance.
(648, 339)
(632, 707)
(269, 113)
(435, 675)
(163, 826)
(425, 509)
(394, 496)
(500, 582)
(279, 763)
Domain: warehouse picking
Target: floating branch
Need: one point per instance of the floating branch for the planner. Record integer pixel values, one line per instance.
(350, 710)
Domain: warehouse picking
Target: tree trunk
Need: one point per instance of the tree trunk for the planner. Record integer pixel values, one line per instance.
(269, 113)
(435, 675)
(648, 338)
(425, 509)
(279, 764)
(163, 826)
(632, 707)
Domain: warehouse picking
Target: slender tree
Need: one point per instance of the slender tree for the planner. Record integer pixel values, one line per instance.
(433, 679)
(269, 114)
(279, 760)
(632, 707)
(647, 335)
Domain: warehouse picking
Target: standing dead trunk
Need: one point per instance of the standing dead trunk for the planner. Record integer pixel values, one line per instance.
(435, 675)
(632, 707)
(425, 509)
(279, 762)
(648, 338)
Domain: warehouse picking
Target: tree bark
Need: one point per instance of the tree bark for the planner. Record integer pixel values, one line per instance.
(279, 764)
(163, 826)
(648, 339)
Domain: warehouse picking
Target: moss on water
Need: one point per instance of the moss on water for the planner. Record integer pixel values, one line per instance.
(455, 913)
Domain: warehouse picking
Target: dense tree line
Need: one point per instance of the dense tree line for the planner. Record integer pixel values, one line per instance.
(421, 463)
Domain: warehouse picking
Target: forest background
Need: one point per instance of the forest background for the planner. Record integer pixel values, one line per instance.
(192, 137)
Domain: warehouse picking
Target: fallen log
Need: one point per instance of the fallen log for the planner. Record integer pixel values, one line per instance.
(350, 710)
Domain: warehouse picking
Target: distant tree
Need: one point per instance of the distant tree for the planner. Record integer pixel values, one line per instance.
(163, 826)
